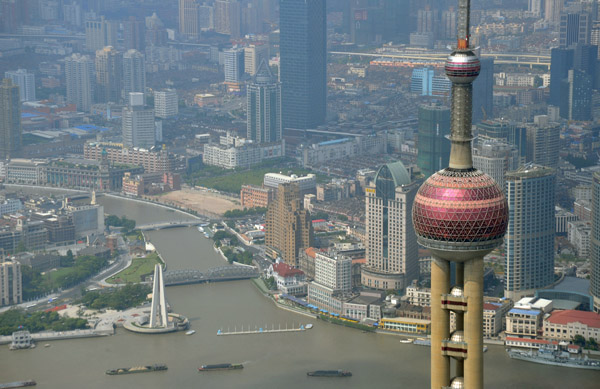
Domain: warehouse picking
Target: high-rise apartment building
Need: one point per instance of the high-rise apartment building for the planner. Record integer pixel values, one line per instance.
(433, 147)
(109, 75)
(561, 61)
(483, 91)
(495, 159)
(576, 96)
(448, 24)
(552, 10)
(166, 103)
(228, 18)
(206, 17)
(253, 56)
(100, 33)
(11, 287)
(595, 243)
(10, 120)
(134, 34)
(391, 243)
(425, 83)
(134, 72)
(80, 79)
(263, 106)
(234, 64)
(138, 123)
(529, 238)
(543, 142)
(188, 19)
(25, 81)
(303, 67)
(289, 226)
(534, 8)
(575, 28)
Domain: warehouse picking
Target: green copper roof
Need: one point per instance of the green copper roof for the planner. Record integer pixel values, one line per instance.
(399, 173)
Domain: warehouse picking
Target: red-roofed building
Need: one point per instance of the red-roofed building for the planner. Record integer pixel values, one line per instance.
(319, 224)
(494, 312)
(288, 279)
(564, 325)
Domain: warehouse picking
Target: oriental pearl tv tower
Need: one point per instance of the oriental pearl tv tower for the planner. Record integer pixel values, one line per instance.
(460, 214)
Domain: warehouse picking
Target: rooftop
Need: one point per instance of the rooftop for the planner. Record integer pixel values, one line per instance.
(285, 270)
(590, 319)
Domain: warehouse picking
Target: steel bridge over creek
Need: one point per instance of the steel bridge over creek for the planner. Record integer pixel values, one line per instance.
(216, 274)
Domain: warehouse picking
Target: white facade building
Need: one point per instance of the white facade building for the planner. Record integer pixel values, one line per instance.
(10, 206)
(80, 78)
(579, 233)
(334, 272)
(318, 153)
(306, 184)
(234, 64)
(25, 81)
(138, 123)
(166, 103)
(244, 155)
(134, 72)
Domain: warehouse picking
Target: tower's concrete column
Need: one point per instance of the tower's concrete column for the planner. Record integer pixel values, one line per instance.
(440, 323)
(473, 321)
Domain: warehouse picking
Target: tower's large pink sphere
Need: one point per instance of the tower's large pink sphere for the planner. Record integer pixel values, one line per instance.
(460, 210)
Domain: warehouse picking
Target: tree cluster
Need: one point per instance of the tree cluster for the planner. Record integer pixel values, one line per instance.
(17, 319)
(128, 296)
(127, 225)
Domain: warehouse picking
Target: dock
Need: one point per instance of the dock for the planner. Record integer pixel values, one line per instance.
(261, 330)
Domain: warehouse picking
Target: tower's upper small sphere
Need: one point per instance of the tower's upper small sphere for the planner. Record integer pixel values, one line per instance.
(460, 211)
(462, 67)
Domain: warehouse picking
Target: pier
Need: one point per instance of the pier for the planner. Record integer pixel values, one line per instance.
(261, 330)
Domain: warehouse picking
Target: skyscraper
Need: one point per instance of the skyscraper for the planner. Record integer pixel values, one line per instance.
(575, 28)
(543, 142)
(585, 59)
(433, 147)
(253, 56)
(495, 159)
(289, 226)
(25, 81)
(576, 96)
(100, 33)
(10, 120)
(391, 244)
(303, 67)
(166, 103)
(552, 10)
(595, 243)
(134, 72)
(263, 99)
(134, 33)
(109, 75)
(483, 91)
(460, 215)
(561, 61)
(11, 290)
(79, 74)
(228, 18)
(188, 19)
(530, 235)
(138, 123)
(234, 64)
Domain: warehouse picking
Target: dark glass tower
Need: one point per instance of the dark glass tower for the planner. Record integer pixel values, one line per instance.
(434, 148)
(560, 63)
(303, 62)
(483, 92)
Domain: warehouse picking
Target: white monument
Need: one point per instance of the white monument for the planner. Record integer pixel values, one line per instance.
(158, 314)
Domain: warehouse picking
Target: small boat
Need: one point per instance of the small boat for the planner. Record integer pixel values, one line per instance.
(221, 366)
(47, 345)
(190, 332)
(329, 373)
(18, 384)
(201, 229)
(137, 369)
(406, 341)
(308, 326)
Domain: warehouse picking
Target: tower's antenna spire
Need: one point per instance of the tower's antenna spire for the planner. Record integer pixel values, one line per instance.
(464, 16)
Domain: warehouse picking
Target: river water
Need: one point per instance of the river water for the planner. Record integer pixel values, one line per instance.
(270, 360)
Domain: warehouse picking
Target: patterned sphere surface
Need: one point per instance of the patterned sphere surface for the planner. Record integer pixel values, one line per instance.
(459, 206)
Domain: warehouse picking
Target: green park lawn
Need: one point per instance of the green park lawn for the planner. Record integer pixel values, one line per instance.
(139, 267)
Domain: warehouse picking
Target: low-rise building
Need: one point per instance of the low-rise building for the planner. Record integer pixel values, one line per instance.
(407, 325)
(243, 155)
(307, 184)
(525, 319)
(565, 325)
(10, 206)
(252, 196)
(418, 296)
(494, 316)
(319, 153)
(289, 280)
(579, 233)
(153, 161)
(366, 305)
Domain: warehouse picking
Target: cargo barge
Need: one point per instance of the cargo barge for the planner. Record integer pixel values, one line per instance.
(137, 369)
(221, 366)
(329, 373)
